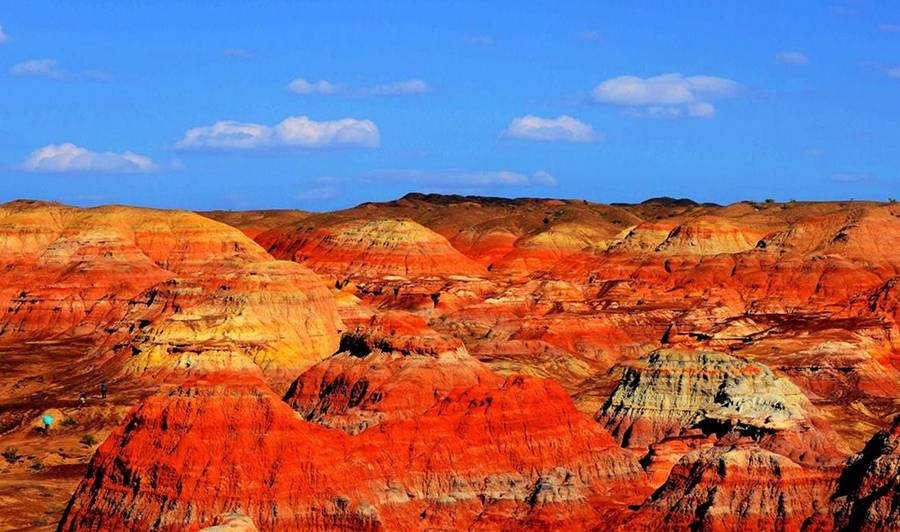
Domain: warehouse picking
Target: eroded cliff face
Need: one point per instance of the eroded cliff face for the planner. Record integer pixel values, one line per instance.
(739, 487)
(393, 367)
(478, 457)
(671, 393)
(183, 292)
(868, 492)
(572, 289)
(437, 362)
(133, 298)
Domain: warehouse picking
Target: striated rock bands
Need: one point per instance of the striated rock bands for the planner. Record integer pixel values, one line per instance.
(476, 458)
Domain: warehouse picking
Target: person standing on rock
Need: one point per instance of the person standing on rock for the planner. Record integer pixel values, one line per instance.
(103, 390)
(82, 399)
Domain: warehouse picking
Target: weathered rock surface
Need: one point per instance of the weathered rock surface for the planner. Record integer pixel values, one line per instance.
(738, 487)
(368, 248)
(394, 367)
(417, 420)
(476, 458)
(868, 492)
(672, 392)
(160, 290)
(573, 288)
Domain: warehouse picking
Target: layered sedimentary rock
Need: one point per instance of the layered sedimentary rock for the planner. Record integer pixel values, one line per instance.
(778, 325)
(738, 487)
(478, 457)
(778, 282)
(161, 290)
(393, 367)
(369, 248)
(868, 492)
(253, 223)
(670, 392)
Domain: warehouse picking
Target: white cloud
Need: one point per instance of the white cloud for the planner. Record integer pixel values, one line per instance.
(542, 177)
(411, 86)
(667, 95)
(301, 86)
(69, 158)
(890, 28)
(691, 110)
(592, 36)
(3, 36)
(815, 152)
(43, 68)
(292, 132)
(564, 128)
(701, 110)
(792, 58)
(894, 72)
(472, 179)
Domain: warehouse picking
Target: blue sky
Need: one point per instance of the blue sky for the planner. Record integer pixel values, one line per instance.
(328, 104)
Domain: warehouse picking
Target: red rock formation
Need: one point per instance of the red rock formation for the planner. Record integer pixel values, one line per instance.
(868, 492)
(394, 367)
(176, 290)
(738, 487)
(253, 223)
(368, 248)
(671, 392)
(478, 457)
(802, 297)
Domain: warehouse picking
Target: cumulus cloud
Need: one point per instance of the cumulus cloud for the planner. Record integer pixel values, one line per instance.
(563, 128)
(41, 68)
(667, 95)
(792, 58)
(69, 158)
(301, 86)
(472, 179)
(3, 36)
(298, 132)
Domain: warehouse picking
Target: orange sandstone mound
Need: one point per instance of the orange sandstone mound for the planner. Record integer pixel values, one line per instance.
(671, 392)
(394, 367)
(180, 290)
(739, 487)
(476, 458)
(132, 298)
(367, 248)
